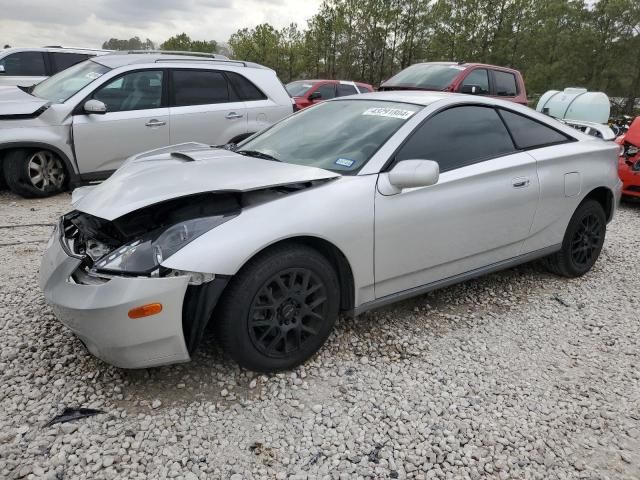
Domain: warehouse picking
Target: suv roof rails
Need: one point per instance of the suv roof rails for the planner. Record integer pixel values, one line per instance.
(208, 60)
(216, 56)
(78, 48)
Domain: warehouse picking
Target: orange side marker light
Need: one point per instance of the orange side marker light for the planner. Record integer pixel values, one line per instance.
(145, 310)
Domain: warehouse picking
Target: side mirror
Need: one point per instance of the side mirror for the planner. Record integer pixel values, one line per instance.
(470, 89)
(95, 107)
(410, 174)
(315, 96)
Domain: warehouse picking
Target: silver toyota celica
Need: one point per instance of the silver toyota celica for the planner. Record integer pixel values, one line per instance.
(344, 207)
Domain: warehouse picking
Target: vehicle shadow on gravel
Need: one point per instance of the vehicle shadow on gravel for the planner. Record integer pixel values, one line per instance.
(211, 375)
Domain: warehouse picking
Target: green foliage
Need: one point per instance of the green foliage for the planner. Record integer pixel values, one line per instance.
(554, 43)
(132, 44)
(182, 42)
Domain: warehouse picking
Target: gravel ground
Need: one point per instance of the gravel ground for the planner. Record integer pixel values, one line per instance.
(516, 375)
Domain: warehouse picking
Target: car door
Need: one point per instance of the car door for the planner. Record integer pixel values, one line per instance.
(478, 213)
(478, 78)
(327, 91)
(505, 85)
(23, 69)
(203, 108)
(136, 120)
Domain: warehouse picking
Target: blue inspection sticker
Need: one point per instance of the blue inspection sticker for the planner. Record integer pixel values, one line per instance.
(345, 162)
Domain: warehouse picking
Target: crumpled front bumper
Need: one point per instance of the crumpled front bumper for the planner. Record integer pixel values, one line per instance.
(98, 314)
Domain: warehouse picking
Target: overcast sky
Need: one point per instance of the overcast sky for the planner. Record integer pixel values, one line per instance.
(88, 23)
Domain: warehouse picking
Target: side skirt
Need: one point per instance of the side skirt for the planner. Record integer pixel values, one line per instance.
(462, 277)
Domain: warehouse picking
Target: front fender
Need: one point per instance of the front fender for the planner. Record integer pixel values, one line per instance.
(340, 212)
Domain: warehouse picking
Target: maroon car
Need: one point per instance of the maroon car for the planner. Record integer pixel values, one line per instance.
(308, 92)
(471, 78)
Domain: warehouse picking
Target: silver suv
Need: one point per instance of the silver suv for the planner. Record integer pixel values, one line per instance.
(81, 124)
(28, 66)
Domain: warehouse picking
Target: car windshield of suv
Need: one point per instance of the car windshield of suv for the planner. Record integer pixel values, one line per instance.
(62, 86)
(340, 135)
(432, 76)
(298, 89)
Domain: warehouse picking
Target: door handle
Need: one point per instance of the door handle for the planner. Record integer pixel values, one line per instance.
(155, 123)
(520, 182)
(233, 115)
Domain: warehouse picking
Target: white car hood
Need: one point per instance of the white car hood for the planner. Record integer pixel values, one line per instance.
(155, 177)
(14, 101)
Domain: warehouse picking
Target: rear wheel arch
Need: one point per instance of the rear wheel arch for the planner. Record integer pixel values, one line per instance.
(604, 196)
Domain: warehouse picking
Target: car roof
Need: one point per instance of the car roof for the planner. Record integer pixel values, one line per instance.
(115, 60)
(417, 97)
(467, 65)
(95, 51)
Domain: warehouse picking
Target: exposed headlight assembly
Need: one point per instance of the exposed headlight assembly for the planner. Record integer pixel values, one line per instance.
(143, 255)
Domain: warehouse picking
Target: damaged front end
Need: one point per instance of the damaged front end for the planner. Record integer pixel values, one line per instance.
(136, 244)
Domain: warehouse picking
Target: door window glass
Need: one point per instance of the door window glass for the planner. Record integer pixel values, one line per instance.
(27, 64)
(245, 90)
(327, 91)
(62, 61)
(528, 133)
(344, 90)
(140, 90)
(505, 84)
(458, 137)
(479, 78)
(199, 87)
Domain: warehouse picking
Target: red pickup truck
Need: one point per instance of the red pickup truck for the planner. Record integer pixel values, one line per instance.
(471, 78)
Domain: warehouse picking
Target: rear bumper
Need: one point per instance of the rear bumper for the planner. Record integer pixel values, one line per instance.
(98, 314)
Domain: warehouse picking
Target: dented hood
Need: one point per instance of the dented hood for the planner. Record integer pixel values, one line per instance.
(16, 102)
(162, 175)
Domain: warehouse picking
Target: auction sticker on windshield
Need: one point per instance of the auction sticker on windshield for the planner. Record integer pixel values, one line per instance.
(388, 112)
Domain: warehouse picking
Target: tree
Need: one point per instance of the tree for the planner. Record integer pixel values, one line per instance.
(132, 44)
(182, 42)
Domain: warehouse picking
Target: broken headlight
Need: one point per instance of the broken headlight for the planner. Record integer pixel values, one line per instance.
(145, 254)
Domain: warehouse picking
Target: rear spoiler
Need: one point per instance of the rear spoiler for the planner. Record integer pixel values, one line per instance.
(591, 128)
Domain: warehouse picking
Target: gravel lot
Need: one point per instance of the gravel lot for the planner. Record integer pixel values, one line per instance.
(516, 375)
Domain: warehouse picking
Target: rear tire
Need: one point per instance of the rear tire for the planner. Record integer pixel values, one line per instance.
(582, 241)
(279, 309)
(34, 173)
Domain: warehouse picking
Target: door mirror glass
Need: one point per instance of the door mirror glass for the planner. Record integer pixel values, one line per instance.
(414, 173)
(470, 89)
(315, 96)
(95, 107)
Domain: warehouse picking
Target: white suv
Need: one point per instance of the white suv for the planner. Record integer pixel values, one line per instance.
(81, 124)
(28, 66)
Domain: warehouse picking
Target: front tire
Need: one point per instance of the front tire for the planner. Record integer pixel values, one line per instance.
(582, 243)
(280, 309)
(34, 173)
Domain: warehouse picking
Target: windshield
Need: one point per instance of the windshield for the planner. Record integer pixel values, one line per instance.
(432, 76)
(339, 135)
(298, 89)
(62, 86)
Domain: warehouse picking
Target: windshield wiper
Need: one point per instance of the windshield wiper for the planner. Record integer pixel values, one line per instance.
(258, 154)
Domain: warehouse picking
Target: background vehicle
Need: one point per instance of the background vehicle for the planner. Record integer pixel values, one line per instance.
(629, 162)
(471, 78)
(272, 240)
(308, 92)
(28, 66)
(81, 124)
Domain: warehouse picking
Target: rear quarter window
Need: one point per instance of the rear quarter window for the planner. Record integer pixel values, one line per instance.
(243, 88)
(528, 133)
